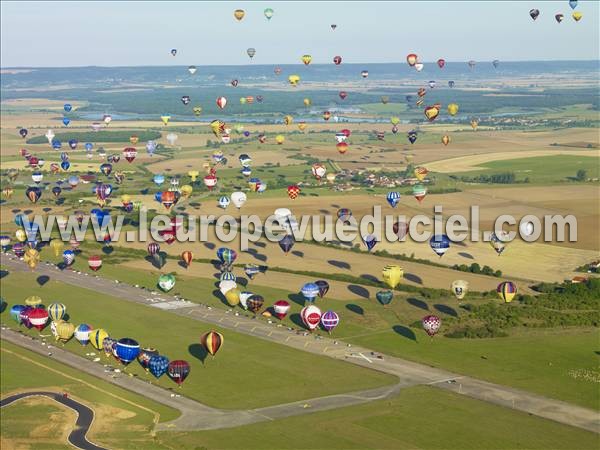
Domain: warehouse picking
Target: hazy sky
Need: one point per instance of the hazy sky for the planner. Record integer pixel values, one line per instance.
(142, 33)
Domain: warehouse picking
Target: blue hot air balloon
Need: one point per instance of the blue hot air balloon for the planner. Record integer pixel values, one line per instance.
(310, 291)
(451, 84)
(73, 143)
(89, 146)
(286, 243)
(15, 312)
(573, 4)
(226, 255)
(158, 179)
(370, 241)
(158, 365)
(246, 171)
(68, 107)
(68, 257)
(393, 198)
(224, 202)
(65, 165)
(158, 196)
(66, 121)
(228, 276)
(127, 350)
(440, 243)
(56, 144)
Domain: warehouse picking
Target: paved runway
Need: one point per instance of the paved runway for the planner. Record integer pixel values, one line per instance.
(409, 373)
(85, 416)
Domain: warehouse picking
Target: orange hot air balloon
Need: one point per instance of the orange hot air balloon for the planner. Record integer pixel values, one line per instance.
(187, 257)
(342, 147)
(134, 139)
(239, 14)
(293, 191)
(445, 139)
(411, 59)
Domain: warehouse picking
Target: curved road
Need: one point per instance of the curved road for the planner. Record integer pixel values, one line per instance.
(196, 416)
(85, 416)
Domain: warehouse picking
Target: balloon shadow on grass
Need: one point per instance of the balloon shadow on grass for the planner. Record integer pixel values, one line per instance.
(446, 310)
(217, 294)
(465, 255)
(198, 351)
(339, 264)
(3, 273)
(355, 309)
(370, 277)
(359, 290)
(405, 332)
(298, 253)
(297, 298)
(297, 320)
(42, 279)
(414, 278)
(417, 303)
(210, 245)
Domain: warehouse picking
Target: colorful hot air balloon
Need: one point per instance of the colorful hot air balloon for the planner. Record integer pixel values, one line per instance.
(577, 16)
(330, 320)
(431, 324)
(268, 13)
(337, 60)
(56, 311)
(393, 198)
(306, 59)
(440, 243)
(166, 282)
(310, 291)
(281, 308)
(498, 241)
(15, 313)
(38, 317)
(459, 288)
(187, 257)
(178, 371)
(82, 333)
(311, 316)
(384, 297)
(212, 342)
(392, 275)
(445, 139)
(97, 338)
(441, 63)
(95, 262)
(145, 355)
(127, 350)
(419, 192)
(158, 365)
(370, 241)
(507, 291)
(293, 191)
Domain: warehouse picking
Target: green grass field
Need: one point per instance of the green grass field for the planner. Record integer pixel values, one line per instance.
(247, 372)
(24, 370)
(542, 169)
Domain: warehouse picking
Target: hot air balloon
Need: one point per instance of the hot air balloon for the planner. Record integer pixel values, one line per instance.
(393, 198)
(178, 371)
(330, 320)
(268, 13)
(323, 287)
(238, 199)
(239, 14)
(440, 243)
(68, 257)
(173, 51)
(306, 59)
(445, 139)
(421, 173)
(384, 297)
(573, 4)
(231, 293)
(192, 70)
(392, 275)
(157, 365)
(412, 136)
(251, 270)
(364, 74)
(318, 170)
(64, 330)
(343, 95)
(293, 191)
(251, 52)
(145, 355)
(441, 63)
(311, 316)
(33, 193)
(97, 338)
(310, 291)
(166, 282)
(419, 192)
(534, 13)
(82, 333)
(281, 308)
(129, 154)
(107, 345)
(452, 109)
(507, 291)
(127, 350)
(255, 303)
(459, 288)
(95, 262)
(431, 112)
(38, 317)
(187, 257)
(23, 132)
(431, 324)
(226, 255)
(370, 241)
(498, 241)
(286, 243)
(337, 60)
(577, 16)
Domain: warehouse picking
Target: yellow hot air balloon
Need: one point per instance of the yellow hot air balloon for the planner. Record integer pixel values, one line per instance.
(392, 275)
(32, 258)
(233, 296)
(306, 59)
(302, 126)
(460, 288)
(97, 337)
(395, 120)
(193, 174)
(474, 124)
(165, 120)
(280, 139)
(421, 173)
(445, 139)
(288, 119)
(307, 102)
(239, 14)
(125, 199)
(21, 235)
(33, 300)
(293, 79)
(431, 112)
(57, 246)
(452, 109)
(186, 190)
(217, 127)
(7, 192)
(64, 331)
(507, 291)
(577, 16)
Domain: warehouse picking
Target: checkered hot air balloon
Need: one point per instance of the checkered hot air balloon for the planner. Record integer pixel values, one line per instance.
(107, 345)
(431, 324)
(255, 303)
(158, 365)
(293, 191)
(212, 342)
(330, 320)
